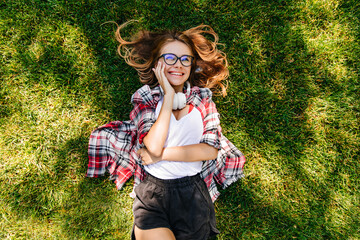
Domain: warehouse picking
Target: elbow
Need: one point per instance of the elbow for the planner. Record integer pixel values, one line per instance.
(154, 149)
(156, 153)
(153, 146)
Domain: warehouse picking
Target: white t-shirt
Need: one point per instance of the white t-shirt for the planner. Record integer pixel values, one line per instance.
(185, 131)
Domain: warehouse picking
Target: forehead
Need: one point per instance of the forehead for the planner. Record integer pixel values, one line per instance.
(176, 47)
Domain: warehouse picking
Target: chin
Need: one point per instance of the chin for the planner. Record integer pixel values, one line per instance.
(177, 82)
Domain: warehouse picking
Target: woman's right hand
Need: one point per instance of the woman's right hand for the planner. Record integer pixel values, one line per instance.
(156, 137)
(159, 71)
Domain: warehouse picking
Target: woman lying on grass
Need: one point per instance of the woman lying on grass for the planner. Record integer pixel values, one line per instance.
(172, 143)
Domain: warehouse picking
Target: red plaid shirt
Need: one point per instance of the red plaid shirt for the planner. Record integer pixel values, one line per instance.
(113, 146)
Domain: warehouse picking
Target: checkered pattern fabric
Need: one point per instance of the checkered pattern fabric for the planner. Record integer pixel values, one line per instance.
(113, 146)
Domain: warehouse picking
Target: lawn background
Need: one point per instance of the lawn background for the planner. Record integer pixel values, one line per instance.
(292, 108)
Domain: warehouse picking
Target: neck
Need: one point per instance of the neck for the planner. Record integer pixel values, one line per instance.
(179, 88)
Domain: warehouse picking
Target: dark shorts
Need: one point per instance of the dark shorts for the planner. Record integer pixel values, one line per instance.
(183, 205)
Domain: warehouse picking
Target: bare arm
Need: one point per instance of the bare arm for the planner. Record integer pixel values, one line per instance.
(156, 137)
(188, 153)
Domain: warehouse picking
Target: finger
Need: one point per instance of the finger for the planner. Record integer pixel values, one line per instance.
(162, 72)
(162, 77)
(157, 71)
(158, 67)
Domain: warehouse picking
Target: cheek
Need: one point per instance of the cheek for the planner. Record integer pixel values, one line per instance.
(167, 67)
(166, 71)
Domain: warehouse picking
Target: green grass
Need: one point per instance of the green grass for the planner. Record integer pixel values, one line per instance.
(293, 108)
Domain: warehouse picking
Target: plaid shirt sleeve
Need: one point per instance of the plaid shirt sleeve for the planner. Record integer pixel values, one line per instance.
(113, 146)
(143, 114)
(109, 149)
(211, 122)
(230, 163)
(228, 166)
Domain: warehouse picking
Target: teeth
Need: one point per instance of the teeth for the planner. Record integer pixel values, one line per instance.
(178, 74)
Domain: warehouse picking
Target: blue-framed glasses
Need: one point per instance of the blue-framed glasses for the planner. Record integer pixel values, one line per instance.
(171, 59)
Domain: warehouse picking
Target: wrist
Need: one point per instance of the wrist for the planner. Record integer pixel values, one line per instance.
(168, 100)
(169, 94)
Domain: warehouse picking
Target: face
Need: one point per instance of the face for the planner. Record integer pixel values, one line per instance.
(177, 74)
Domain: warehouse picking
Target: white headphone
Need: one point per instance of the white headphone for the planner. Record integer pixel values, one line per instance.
(180, 98)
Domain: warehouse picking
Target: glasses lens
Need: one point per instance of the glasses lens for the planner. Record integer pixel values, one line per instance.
(170, 58)
(186, 60)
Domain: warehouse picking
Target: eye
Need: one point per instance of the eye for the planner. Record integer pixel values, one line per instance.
(170, 57)
(186, 59)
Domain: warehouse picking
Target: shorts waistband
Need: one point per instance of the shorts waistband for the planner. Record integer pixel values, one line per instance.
(177, 182)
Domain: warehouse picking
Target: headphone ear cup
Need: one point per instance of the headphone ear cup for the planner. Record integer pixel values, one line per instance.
(181, 100)
(175, 102)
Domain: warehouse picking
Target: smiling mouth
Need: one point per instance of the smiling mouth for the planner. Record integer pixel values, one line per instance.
(176, 73)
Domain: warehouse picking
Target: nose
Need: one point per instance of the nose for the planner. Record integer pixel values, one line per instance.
(178, 63)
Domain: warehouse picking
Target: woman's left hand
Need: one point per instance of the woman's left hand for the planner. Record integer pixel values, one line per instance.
(146, 157)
